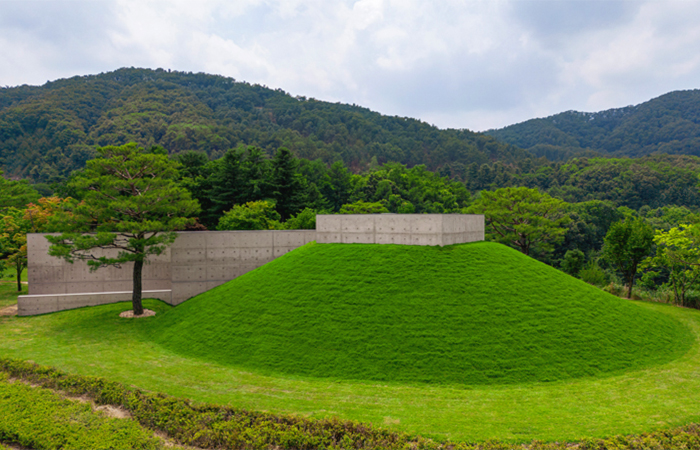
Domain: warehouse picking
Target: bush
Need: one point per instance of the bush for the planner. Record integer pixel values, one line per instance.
(305, 220)
(593, 274)
(260, 215)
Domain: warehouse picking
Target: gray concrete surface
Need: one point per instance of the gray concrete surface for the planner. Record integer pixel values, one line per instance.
(404, 229)
(201, 260)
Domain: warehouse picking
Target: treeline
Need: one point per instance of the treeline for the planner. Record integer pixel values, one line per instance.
(244, 177)
(247, 189)
(667, 124)
(654, 181)
(47, 132)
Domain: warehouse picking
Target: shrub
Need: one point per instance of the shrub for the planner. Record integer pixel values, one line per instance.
(260, 215)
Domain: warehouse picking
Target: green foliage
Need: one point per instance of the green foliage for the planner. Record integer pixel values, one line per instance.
(360, 207)
(259, 215)
(305, 220)
(678, 253)
(51, 130)
(472, 314)
(573, 262)
(627, 243)
(593, 274)
(16, 194)
(13, 241)
(203, 426)
(39, 418)
(132, 205)
(523, 218)
(210, 426)
(666, 124)
(655, 180)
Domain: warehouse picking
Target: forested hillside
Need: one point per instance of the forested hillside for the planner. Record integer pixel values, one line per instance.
(667, 124)
(48, 131)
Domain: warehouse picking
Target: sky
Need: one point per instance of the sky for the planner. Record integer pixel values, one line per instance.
(452, 63)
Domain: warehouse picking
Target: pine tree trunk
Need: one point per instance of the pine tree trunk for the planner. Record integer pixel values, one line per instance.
(136, 296)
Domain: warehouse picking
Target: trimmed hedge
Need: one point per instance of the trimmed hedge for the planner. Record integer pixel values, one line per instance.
(41, 419)
(211, 426)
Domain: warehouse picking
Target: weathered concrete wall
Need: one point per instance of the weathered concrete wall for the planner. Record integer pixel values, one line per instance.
(196, 262)
(199, 261)
(49, 275)
(203, 260)
(405, 229)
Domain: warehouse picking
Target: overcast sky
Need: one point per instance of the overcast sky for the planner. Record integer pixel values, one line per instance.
(454, 64)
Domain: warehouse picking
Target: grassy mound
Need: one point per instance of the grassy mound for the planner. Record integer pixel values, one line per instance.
(471, 314)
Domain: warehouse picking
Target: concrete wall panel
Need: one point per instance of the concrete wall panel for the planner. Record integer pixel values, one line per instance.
(188, 255)
(184, 291)
(323, 237)
(191, 273)
(47, 288)
(358, 238)
(223, 255)
(198, 261)
(389, 238)
(329, 223)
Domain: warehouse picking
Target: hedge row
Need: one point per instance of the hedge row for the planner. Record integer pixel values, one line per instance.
(211, 426)
(42, 419)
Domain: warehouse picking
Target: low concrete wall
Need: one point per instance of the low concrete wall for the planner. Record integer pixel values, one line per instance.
(201, 260)
(196, 262)
(405, 229)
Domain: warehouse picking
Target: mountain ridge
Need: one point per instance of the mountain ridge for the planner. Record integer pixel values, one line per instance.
(668, 124)
(48, 131)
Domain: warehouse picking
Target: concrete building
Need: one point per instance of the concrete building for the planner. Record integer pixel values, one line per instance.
(201, 260)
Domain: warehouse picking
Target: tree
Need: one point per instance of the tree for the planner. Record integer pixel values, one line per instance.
(260, 215)
(15, 194)
(522, 217)
(13, 241)
(678, 251)
(288, 187)
(573, 262)
(132, 207)
(627, 243)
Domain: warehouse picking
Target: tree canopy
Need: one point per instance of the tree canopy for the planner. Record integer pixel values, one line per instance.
(523, 218)
(131, 208)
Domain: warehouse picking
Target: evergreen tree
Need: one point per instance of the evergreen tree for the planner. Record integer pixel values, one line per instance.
(132, 207)
(288, 187)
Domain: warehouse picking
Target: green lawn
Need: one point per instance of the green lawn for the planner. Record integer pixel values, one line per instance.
(471, 314)
(660, 392)
(8, 294)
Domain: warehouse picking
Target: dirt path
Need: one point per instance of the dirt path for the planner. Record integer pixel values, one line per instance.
(9, 311)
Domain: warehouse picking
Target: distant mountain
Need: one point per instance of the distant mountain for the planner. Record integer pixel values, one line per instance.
(48, 131)
(667, 124)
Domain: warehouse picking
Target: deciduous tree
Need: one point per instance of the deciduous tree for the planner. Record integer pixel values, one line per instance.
(627, 243)
(678, 251)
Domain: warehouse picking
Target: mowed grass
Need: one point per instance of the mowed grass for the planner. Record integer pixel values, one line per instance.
(472, 314)
(95, 341)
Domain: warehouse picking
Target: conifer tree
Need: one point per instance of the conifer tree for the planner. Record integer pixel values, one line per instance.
(131, 208)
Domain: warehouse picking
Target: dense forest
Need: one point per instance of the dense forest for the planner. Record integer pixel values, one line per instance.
(48, 131)
(667, 124)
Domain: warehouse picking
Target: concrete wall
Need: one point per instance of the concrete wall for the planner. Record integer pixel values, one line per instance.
(196, 262)
(405, 229)
(201, 260)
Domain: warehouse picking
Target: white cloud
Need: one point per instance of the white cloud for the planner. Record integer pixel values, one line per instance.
(468, 64)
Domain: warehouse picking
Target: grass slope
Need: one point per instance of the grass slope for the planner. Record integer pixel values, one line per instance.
(474, 314)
